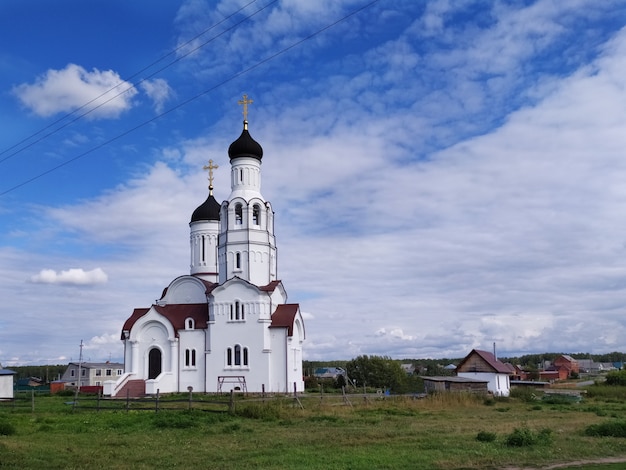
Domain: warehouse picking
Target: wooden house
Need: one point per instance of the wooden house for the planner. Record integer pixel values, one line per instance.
(483, 365)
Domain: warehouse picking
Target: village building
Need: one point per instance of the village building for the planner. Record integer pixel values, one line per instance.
(6, 383)
(227, 324)
(91, 374)
(483, 365)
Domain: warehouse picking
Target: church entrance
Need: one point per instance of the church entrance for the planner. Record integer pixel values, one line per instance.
(154, 363)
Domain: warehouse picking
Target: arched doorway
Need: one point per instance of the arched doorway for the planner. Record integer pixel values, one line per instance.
(154, 363)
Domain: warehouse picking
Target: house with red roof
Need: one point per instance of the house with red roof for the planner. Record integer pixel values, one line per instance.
(483, 365)
(227, 325)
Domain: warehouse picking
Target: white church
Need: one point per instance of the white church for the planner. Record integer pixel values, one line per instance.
(227, 325)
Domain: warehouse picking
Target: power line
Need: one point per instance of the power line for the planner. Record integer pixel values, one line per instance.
(89, 111)
(193, 98)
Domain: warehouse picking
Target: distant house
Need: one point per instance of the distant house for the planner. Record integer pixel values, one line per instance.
(454, 384)
(329, 372)
(6, 384)
(567, 362)
(483, 365)
(92, 373)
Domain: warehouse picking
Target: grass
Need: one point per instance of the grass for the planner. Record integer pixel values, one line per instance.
(439, 432)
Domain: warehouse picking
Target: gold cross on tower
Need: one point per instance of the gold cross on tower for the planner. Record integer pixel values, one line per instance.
(210, 167)
(245, 102)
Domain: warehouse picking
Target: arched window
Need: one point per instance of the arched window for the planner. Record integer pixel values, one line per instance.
(229, 357)
(245, 356)
(190, 357)
(237, 355)
(203, 250)
(238, 214)
(189, 324)
(256, 211)
(237, 310)
(237, 260)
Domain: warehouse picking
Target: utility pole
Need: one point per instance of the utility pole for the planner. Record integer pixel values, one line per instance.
(80, 362)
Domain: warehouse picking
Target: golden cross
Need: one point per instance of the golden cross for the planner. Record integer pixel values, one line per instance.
(245, 102)
(210, 167)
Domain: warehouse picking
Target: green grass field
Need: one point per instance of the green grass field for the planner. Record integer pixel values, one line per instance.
(454, 431)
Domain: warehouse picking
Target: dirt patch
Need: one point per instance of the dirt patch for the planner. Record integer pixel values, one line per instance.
(576, 463)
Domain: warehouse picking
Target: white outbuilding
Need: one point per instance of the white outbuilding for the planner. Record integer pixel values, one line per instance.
(6, 384)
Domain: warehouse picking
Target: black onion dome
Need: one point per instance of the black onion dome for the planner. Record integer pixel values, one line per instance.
(208, 210)
(245, 146)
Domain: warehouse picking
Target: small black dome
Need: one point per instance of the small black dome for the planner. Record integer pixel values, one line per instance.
(208, 210)
(245, 146)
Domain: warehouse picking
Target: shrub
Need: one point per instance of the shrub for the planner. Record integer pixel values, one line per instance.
(616, 377)
(607, 429)
(524, 437)
(7, 429)
(525, 394)
(485, 436)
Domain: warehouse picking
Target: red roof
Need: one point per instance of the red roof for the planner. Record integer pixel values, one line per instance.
(176, 314)
(284, 317)
(270, 287)
(490, 359)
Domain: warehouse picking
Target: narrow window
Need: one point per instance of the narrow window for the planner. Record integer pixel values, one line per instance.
(242, 314)
(190, 324)
(238, 261)
(229, 357)
(232, 316)
(120, 371)
(241, 175)
(238, 214)
(255, 214)
(193, 357)
(237, 310)
(245, 356)
(237, 355)
(72, 372)
(83, 372)
(187, 358)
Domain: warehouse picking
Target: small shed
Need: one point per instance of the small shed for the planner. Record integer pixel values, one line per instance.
(454, 384)
(6, 384)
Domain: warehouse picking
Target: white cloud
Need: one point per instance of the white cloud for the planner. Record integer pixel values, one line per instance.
(74, 276)
(159, 91)
(65, 90)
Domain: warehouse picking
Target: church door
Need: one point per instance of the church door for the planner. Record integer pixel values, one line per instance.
(154, 363)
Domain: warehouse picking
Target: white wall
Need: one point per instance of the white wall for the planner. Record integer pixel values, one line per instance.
(6, 386)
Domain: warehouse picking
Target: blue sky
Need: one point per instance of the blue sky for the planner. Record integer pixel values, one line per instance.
(445, 174)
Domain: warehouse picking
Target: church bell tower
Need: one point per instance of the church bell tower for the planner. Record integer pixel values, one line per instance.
(246, 246)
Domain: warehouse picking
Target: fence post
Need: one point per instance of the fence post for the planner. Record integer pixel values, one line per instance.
(231, 404)
(190, 388)
(263, 392)
(127, 399)
(156, 402)
(32, 400)
(98, 402)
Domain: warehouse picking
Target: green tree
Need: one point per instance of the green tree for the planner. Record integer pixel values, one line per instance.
(377, 371)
